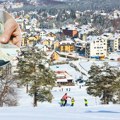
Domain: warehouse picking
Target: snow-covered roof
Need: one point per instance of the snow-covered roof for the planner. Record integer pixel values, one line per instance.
(70, 27)
(63, 75)
(62, 80)
(51, 30)
(93, 38)
(40, 46)
(86, 29)
(67, 42)
(48, 38)
(107, 35)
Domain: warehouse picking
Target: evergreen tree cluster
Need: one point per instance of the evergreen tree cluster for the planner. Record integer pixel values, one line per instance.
(104, 82)
(34, 72)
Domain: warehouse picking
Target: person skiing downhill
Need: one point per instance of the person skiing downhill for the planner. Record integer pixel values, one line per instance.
(86, 102)
(72, 101)
(65, 97)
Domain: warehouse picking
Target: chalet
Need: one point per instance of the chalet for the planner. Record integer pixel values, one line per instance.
(66, 46)
(50, 34)
(55, 56)
(48, 41)
(63, 78)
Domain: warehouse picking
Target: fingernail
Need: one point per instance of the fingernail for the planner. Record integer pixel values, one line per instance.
(3, 39)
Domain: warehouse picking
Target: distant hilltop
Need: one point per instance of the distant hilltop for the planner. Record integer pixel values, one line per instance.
(87, 4)
(75, 4)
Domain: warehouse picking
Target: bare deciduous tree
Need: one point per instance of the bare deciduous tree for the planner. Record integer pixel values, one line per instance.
(7, 91)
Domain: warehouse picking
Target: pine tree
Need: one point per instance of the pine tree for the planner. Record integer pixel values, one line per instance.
(102, 82)
(116, 86)
(33, 71)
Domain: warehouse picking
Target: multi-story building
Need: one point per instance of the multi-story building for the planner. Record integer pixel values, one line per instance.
(96, 47)
(114, 43)
(70, 32)
(66, 46)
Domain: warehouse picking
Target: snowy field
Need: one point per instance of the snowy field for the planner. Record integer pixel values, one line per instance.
(53, 111)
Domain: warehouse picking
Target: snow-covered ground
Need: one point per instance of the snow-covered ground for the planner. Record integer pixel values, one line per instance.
(53, 111)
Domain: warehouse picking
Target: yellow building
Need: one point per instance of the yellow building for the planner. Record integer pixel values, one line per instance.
(56, 45)
(51, 35)
(55, 56)
(66, 46)
(47, 42)
(29, 40)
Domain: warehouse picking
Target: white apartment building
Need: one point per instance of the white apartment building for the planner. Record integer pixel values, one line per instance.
(114, 43)
(96, 47)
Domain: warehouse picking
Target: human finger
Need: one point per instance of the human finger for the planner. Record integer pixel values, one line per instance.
(9, 27)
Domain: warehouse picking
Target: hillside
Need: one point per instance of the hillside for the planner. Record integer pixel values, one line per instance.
(82, 5)
(51, 2)
(53, 111)
(95, 4)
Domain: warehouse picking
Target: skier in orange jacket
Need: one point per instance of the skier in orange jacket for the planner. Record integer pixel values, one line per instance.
(65, 97)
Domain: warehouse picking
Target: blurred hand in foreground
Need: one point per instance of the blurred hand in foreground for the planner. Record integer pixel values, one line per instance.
(12, 32)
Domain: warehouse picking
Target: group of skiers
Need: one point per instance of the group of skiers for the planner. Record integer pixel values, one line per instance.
(63, 100)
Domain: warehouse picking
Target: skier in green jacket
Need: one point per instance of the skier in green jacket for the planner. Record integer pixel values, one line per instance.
(86, 102)
(62, 102)
(72, 102)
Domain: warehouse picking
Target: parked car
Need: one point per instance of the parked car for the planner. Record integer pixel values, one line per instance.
(80, 80)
